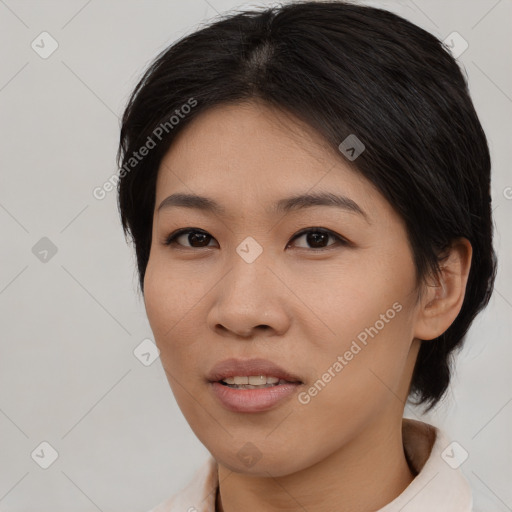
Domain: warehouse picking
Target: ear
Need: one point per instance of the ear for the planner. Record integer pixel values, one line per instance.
(442, 299)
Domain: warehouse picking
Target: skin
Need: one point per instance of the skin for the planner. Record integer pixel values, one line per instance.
(297, 305)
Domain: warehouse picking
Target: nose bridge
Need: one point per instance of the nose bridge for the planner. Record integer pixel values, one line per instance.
(249, 272)
(247, 295)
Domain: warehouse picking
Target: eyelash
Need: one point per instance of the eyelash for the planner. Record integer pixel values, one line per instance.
(340, 241)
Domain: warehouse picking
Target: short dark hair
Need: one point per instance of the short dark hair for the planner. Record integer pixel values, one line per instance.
(343, 69)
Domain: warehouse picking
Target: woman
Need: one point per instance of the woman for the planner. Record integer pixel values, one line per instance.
(308, 192)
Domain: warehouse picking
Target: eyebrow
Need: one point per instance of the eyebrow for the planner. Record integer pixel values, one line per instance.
(286, 205)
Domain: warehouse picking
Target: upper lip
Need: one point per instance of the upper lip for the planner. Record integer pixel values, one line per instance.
(248, 367)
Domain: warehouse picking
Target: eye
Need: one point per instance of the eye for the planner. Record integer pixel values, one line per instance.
(316, 237)
(198, 238)
(193, 236)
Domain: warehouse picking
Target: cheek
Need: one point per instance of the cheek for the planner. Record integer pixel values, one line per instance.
(169, 302)
(369, 313)
(356, 381)
(156, 300)
(345, 301)
(170, 295)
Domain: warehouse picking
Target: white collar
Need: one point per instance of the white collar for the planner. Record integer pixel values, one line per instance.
(437, 487)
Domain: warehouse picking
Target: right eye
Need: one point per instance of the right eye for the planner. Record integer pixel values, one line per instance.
(192, 235)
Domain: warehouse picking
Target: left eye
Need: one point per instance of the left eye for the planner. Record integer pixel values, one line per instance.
(315, 237)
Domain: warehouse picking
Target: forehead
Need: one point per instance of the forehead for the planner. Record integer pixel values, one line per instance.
(250, 155)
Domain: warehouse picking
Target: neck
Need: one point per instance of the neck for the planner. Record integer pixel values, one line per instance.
(374, 460)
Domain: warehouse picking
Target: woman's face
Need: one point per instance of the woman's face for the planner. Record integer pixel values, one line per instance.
(248, 283)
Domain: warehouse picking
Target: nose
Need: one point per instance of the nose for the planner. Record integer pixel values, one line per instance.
(250, 298)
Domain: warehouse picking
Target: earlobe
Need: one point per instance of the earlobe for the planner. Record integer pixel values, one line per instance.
(442, 300)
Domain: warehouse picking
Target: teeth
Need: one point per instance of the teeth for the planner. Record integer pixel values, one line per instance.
(253, 380)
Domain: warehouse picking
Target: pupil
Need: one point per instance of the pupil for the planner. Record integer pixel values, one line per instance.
(316, 237)
(194, 236)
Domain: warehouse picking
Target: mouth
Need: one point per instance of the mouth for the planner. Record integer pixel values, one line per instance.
(251, 374)
(254, 382)
(251, 386)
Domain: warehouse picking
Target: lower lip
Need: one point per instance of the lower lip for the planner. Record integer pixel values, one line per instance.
(253, 400)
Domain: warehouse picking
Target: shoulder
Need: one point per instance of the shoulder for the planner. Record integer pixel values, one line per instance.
(439, 484)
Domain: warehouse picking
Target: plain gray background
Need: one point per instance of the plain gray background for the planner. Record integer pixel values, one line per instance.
(70, 324)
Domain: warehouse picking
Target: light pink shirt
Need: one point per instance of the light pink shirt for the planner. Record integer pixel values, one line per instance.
(439, 485)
